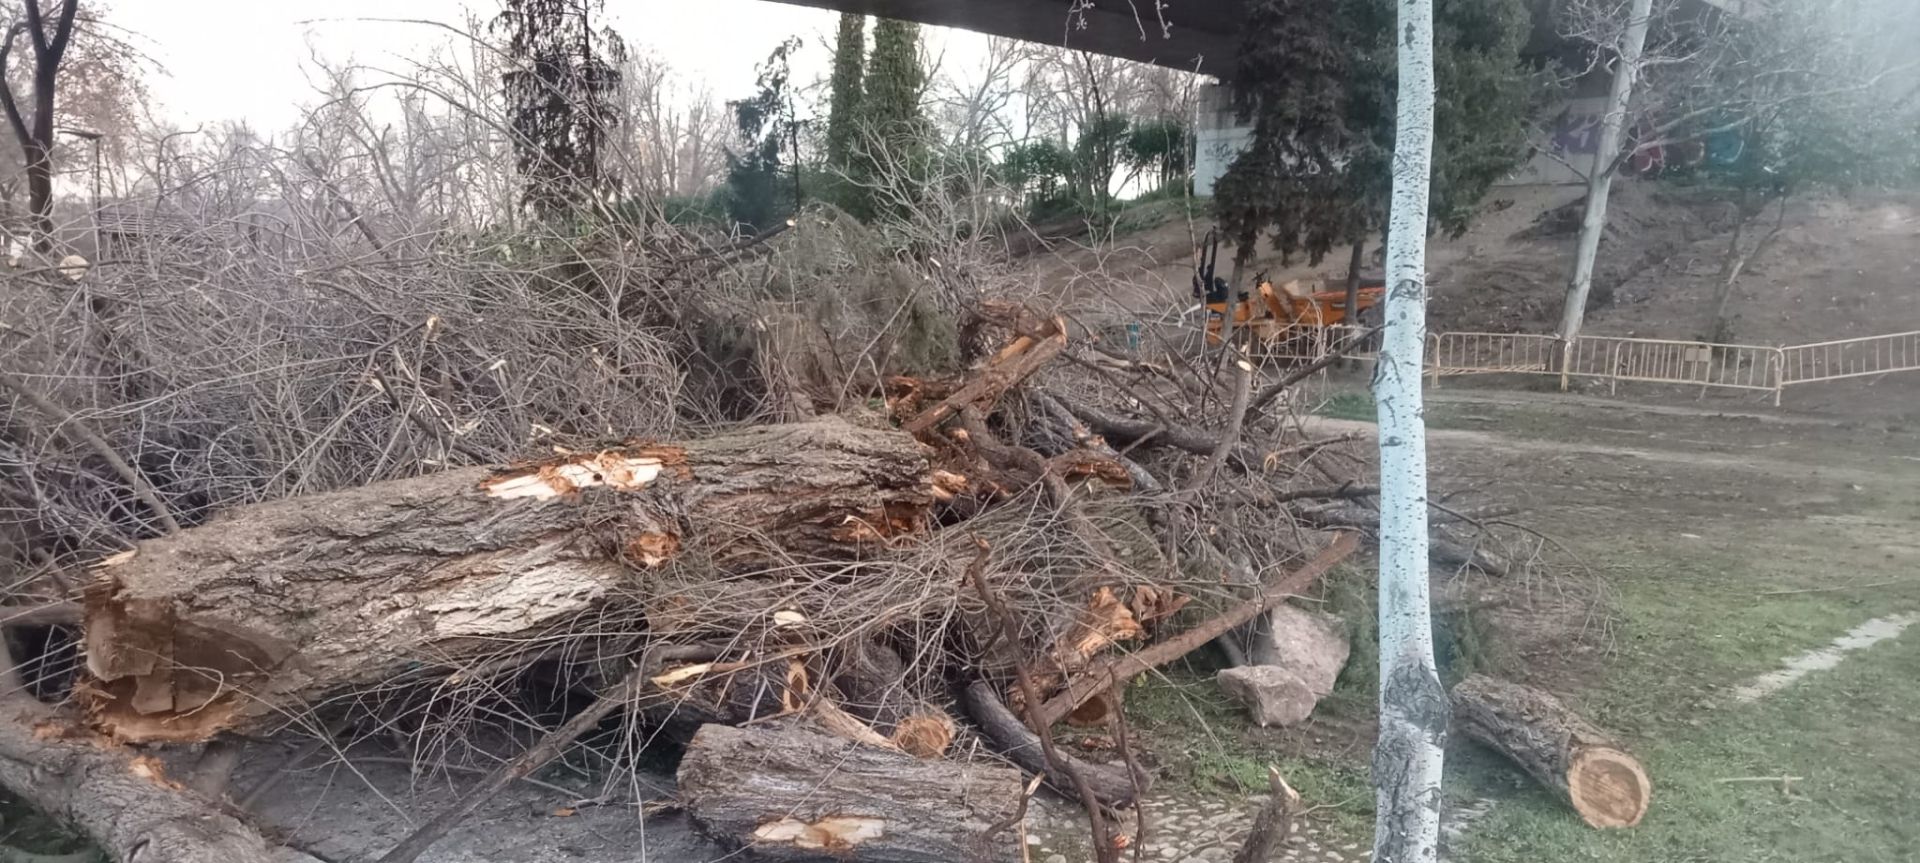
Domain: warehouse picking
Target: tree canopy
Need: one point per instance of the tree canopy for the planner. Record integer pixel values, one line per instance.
(560, 98)
(1316, 78)
(757, 190)
(843, 109)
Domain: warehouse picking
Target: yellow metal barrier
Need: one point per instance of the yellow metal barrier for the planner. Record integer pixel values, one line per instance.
(1850, 358)
(1758, 368)
(1703, 364)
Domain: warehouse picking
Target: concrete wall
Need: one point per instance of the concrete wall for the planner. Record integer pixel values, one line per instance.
(1571, 135)
(1217, 135)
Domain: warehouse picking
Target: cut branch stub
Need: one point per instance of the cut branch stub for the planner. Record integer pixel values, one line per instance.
(278, 604)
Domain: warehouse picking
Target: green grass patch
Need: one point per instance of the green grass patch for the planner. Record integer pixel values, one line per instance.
(1203, 744)
(1849, 733)
(1350, 405)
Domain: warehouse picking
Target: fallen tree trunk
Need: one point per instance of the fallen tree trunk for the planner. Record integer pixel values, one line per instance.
(1578, 762)
(795, 794)
(121, 801)
(1111, 786)
(231, 624)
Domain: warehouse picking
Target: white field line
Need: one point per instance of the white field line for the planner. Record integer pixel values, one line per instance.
(1863, 636)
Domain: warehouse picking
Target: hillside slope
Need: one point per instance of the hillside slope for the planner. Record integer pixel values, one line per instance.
(1840, 268)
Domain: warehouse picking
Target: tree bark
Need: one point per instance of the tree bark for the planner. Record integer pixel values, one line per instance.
(1578, 762)
(231, 624)
(124, 802)
(1353, 281)
(1413, 718)
(1111, 786)
(1606, 161)
(796, 794)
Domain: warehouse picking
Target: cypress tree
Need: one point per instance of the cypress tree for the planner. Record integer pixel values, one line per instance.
(892, 153)
(843, 111)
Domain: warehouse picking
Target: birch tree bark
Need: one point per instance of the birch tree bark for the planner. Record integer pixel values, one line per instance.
(1606, 163)
(1413, 706)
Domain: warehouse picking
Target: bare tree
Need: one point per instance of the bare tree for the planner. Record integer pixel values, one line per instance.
(976, 110)
(672, 135)
(35, 133)
(1626, 66)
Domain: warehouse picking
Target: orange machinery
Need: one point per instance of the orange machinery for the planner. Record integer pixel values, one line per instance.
(1276, 314)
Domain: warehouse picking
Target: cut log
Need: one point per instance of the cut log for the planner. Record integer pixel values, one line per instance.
(795, 794)
(1580, 763)
(124, 802)
(231, 624)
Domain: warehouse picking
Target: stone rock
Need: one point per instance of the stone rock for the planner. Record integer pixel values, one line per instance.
(1274, 695)
(1311, 644)
(1057, 858)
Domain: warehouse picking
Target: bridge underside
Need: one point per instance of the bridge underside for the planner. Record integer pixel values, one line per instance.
(1193, 35)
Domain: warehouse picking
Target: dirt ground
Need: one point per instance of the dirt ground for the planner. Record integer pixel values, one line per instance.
(1840, 267)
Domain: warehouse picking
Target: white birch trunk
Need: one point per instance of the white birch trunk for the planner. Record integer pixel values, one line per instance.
(1606, 163)
(1413, 706)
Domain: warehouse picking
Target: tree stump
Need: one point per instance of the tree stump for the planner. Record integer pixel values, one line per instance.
(790, 793)
(273, 606)
(1603, 782)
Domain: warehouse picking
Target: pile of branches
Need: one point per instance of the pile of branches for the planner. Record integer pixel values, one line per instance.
(791, 492)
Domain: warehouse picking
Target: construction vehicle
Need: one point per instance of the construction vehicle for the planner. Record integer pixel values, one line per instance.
(1275, 315)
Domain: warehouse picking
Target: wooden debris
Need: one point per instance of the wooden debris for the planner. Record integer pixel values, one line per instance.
(795, 794)
(841, 724)
(225, 626)
(1273, 824)
(1119, 670)
(1581, 764)
(1105, 621)
(924, 734)
(1111, 786)
(124, 802)
(1027, 354)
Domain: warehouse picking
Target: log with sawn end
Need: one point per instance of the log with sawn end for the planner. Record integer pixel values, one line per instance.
(236, 623)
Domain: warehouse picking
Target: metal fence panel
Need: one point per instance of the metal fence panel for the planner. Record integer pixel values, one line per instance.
(1850, 358)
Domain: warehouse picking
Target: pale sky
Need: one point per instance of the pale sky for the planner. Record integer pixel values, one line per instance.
(243, 59)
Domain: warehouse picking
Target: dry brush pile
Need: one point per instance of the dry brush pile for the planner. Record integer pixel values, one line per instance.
(823, 491)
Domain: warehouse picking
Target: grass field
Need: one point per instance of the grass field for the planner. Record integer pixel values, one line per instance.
(1715, 548)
